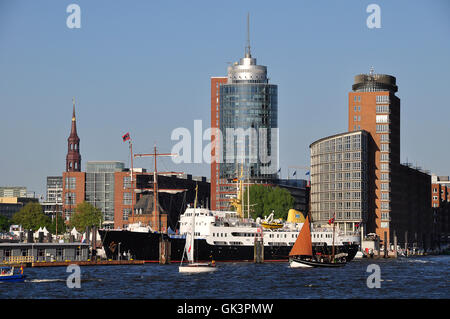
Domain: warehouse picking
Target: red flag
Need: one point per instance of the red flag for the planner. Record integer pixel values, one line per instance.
(126, 137)
(331, 220)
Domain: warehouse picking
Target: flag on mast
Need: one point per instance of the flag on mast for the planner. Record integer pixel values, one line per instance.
(331, 220)
(126, 137)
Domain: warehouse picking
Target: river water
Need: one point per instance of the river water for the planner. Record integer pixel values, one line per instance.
(414, 277)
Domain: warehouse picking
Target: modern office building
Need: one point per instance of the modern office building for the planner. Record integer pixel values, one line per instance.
(341, 180)
(100, 186)
(13, 191)
(244, 115)
(53, 200)
(11, 205)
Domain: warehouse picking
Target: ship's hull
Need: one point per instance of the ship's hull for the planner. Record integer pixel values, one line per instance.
(146, 246)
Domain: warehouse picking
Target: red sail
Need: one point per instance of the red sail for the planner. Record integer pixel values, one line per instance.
(303, 245)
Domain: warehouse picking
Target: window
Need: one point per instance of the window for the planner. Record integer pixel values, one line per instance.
(382, 108)
(126, 181)
(70, 182)
(382, 128)
(382, 119)
(127, 198)
(70, 199)
(384, 147)
(382, 99)
(126, 212)
(384, 137)
(384, 157)
(59, 254)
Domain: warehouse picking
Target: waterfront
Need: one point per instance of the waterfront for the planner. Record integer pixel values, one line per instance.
(415, 277)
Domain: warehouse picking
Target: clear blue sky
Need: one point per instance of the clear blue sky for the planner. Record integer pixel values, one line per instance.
(144, 67)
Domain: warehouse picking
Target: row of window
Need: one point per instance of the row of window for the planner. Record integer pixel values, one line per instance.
(335, 157)
(325, 187)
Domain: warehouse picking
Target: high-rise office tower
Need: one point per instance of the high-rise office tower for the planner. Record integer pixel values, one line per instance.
(244, 129)
(374, 107)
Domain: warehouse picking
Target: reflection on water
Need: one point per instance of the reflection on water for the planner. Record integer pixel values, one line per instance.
(421, 277)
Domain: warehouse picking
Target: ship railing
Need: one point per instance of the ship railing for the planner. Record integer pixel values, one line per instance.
(19, 259)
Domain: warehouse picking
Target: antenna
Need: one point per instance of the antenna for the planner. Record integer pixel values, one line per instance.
(247, 49)
(73, 112)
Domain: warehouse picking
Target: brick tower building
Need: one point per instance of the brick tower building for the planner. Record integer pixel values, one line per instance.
(73, 158)
(73, 177)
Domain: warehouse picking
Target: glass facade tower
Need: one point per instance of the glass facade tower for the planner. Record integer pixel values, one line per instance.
(249, 123)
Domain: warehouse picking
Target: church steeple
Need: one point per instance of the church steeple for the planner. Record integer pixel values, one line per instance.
(73, 158)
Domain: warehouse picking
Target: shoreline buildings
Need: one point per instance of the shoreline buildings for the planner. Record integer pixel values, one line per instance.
(362, 181)
(107, 186)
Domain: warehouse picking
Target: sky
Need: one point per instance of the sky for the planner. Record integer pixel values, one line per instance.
(144, 67)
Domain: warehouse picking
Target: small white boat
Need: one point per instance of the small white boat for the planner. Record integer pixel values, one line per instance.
(197, 267)
(359, 255)
(191, 266)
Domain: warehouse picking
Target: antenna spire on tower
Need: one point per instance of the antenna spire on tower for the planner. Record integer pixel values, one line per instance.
(73, 113)
(248, 54)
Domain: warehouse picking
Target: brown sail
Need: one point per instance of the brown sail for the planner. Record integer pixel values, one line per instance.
(303, 245)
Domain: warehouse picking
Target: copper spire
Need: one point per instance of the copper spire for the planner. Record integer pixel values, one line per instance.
(73, 114)
(73, 158)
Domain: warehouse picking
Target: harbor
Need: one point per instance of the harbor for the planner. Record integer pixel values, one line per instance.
(402, 278)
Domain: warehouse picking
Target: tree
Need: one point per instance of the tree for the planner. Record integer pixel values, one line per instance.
(4, 223)
(85, 215)
(265, 199)
(61, 225)
(31, 216)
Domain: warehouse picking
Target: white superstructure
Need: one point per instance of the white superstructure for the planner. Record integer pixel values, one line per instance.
(226, 228)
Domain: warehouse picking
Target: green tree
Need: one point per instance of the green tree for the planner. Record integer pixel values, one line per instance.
(265, 199)
(31, 216)
(85, 215)
(5, 222)
(61, 225)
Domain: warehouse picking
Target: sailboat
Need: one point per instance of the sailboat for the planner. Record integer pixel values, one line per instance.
(301, 255)
(191, 266)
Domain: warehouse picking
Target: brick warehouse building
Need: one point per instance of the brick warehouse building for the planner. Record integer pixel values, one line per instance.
(440, 192)
(398, 195)
(401, 194)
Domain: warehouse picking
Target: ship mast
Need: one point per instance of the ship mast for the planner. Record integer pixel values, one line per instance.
(155, 184)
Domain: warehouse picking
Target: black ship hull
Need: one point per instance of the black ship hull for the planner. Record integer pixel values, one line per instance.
(146, 246)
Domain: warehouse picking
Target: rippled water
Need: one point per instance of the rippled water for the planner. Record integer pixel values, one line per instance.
(421, 277)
